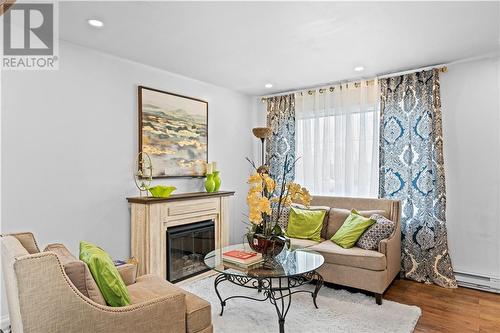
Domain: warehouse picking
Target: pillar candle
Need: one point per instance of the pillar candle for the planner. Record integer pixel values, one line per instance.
(214, 166)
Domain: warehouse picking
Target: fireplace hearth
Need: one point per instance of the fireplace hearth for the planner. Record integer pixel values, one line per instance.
(187, 245)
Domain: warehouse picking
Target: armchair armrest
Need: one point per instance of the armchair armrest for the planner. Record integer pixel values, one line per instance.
(41, 280)
(391, 247)
(128, 272)
(165, 314)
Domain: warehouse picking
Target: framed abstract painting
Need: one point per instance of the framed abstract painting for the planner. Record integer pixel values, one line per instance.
(173, 131)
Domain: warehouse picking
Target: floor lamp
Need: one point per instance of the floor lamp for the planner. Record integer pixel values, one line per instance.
(262, 133)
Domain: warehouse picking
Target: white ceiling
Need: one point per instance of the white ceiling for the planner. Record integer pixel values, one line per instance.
(243, 45)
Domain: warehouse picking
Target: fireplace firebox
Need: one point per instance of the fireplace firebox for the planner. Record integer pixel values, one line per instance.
(187, 245)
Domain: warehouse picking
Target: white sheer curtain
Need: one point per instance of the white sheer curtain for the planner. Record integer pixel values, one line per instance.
(337, 138)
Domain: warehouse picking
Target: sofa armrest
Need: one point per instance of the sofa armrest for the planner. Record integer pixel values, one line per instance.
(391, 247)
(128, 272)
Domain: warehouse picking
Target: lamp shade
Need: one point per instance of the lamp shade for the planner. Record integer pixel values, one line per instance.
(262, 132)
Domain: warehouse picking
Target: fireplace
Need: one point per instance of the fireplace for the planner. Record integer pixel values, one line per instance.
(187, 245)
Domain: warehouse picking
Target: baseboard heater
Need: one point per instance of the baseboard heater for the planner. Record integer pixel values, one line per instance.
(474, 281)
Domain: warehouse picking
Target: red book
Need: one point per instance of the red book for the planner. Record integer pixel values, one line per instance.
(239, 257)
(240, 254)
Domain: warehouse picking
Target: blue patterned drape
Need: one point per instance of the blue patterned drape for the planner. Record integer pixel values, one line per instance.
(412, 170)
(281, 120)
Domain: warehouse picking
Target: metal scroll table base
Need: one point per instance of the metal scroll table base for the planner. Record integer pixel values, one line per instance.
(277, 290)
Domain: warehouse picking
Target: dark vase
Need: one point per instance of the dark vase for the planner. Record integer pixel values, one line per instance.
(269, 246)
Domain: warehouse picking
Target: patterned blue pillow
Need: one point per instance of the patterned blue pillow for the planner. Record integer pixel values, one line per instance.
(382, 229)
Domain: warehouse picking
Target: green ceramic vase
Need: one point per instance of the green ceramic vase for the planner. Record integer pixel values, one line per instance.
(217, 181)
(209, 183)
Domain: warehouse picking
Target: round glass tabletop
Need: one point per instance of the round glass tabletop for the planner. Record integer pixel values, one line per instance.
(287, 263)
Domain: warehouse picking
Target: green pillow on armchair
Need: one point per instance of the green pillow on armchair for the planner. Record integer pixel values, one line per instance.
(105, 274)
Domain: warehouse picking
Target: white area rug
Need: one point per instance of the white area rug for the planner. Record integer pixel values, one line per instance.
(339, 311)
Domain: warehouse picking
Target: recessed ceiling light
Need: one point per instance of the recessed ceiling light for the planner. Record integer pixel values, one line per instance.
(95, 23)
(268, 85)
(359, 68)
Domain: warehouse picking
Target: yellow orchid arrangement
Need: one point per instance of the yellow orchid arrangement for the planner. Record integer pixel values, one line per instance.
(266, 204)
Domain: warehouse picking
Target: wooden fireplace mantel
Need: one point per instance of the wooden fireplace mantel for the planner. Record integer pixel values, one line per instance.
(180, 196)
(151, 217)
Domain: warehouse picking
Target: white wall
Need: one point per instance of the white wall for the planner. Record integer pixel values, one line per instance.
(69, 142)
(470, 95)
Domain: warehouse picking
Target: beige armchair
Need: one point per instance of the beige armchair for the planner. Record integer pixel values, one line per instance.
(43, 299)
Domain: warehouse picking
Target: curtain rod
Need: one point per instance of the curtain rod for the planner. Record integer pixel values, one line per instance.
(442, 68)
(324, 86)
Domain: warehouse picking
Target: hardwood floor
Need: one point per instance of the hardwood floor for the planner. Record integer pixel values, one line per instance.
(459, 310)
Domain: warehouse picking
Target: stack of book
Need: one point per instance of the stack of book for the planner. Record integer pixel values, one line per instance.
(241, 260)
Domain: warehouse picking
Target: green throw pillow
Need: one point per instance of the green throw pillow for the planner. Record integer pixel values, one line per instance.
(105, 274)
(305, 223)
(351, 230)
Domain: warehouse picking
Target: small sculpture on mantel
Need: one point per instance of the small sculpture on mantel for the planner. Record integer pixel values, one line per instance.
(143, 174)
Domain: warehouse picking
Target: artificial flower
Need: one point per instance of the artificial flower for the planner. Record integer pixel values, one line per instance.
(270, 183)
(255, 179)
(264, 206)
(306, 197)
(263, 203)
(293, 189)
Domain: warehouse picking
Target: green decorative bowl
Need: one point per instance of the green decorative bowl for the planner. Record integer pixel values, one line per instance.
(160, 191)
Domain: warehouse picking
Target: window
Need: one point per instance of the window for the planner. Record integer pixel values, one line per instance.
(337, 140)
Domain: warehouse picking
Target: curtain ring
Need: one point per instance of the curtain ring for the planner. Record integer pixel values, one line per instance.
(321, 90)
(332, 89)
(310, 92)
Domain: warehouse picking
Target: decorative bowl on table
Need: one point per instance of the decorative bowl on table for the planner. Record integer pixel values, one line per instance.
(268, 246)
(160, 191)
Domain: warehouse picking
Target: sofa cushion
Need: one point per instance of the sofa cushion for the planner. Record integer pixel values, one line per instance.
(354, 257)
(325, 219)
(198, 311)
(337, 217)
(28, 241)
(128, 272)
(296, 243)
(354, 226)
(78, 272)
(382, 229)
(305, 223)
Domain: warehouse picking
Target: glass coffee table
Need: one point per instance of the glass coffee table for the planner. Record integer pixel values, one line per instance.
(291, 270)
